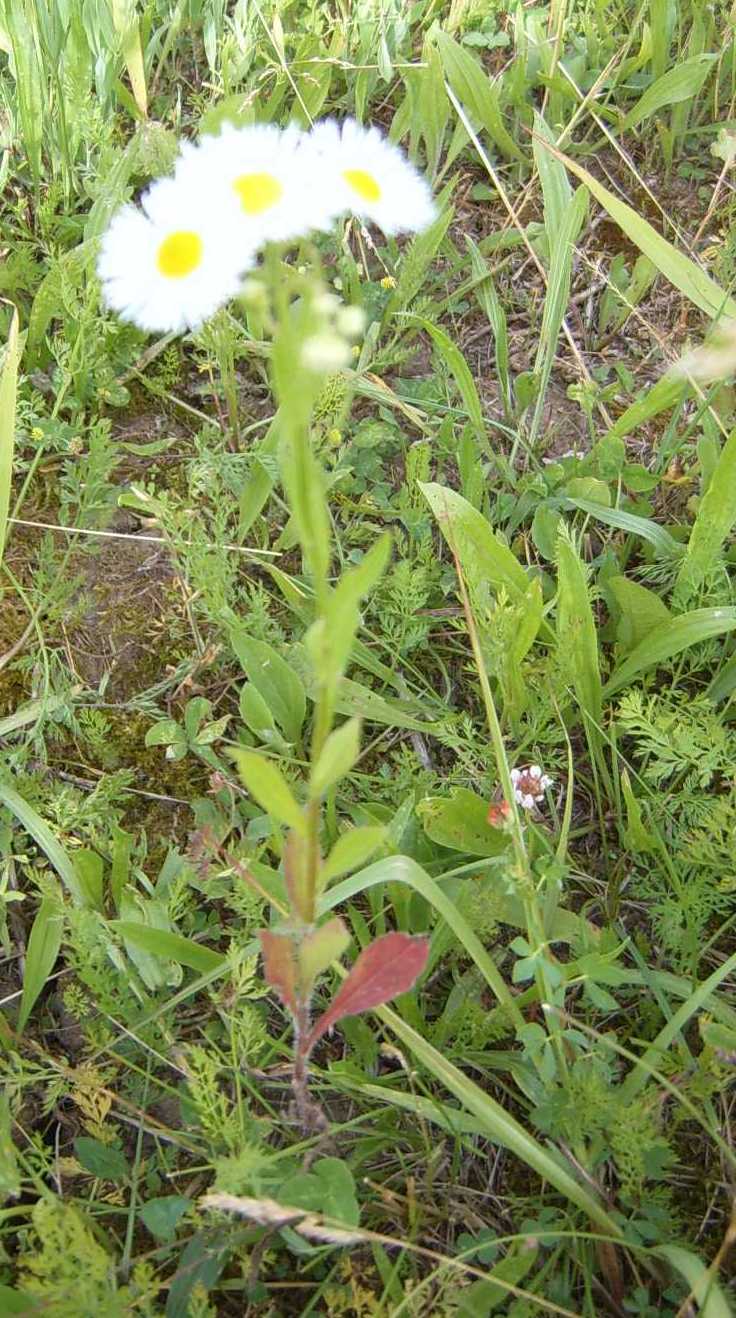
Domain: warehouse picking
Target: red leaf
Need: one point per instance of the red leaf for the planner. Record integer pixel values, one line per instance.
(279, 968)
(384, 969)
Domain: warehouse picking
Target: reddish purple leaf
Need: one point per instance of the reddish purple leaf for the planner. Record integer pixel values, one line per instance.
(279, 968)
(384, 969)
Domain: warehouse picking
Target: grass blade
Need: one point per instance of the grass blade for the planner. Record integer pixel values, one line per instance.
(8, 391)
(43, 948)
(499, 1126)
(680, 83)
(41, 833)
(664, 642)
(696, 285)
(715, 518)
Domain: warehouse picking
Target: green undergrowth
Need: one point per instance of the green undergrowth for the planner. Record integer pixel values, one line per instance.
(542, 1124)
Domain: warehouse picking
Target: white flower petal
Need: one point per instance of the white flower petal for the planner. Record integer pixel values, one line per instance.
(358, 170)
(208, 258)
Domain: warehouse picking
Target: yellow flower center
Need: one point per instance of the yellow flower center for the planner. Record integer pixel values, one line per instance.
(363, 183)
(258, 192)
(180, 253)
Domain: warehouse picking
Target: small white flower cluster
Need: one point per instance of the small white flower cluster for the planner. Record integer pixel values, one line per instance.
(171, 263)
(530, 785)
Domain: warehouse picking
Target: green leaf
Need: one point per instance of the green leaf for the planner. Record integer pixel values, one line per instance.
(199, 1265)
(8, 390)
(562, 248)
(681, 271)
(15, 1302)
(257, 716)
(460, 370)
(556, 190)
(274, 679)
(460, 822)
(353, 848)
(680, 83)
(101, 1160)
(174, 947)
(576, 633)
(477, 93)
(43, 948)
(666, 392)
(715, 519)
(668, 640)
(337, 757)
(339, 1199)
(641, 611)
(416, 260)
(161, 1216)
(484, 558)
(663, 542)
(704, 1285)
(319, 949)
(41, 833)
(10, 1185)
(89, 867)
(490, 302)
(269, 788)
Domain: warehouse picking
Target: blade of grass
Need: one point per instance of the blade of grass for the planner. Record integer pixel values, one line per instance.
(8, 392)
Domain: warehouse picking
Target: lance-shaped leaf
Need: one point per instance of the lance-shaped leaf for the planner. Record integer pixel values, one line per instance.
(384, 969)
(269, 788)
(279, 967)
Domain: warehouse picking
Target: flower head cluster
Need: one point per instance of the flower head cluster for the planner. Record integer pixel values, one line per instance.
(530, 785)
(170, 263)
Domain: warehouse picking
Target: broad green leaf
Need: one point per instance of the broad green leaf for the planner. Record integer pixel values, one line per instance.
(43, 948)
(174, 947)
(460, 822)
(680, 83)
(8, 389)
(89, 867)
(154, 968)
(274, 679)
(39, 830)
(484, 558)
(641, 611)
(161, 1215)
(257, 716)
(681, 271)
(319, 949)
(333, 643)
(416, 260)
(353, 848)
(474, 89)
(459, 368)
(715, 520)
(101, 1159)
(668, 640)
(269, 788)
(257, 491)
(337, 757)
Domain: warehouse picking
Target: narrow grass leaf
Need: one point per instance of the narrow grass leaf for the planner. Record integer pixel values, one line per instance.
(556, 190)
(43, 948)
(562, 244)
(173, 947)
(500, 1126)
(39, 830)
(656, 535)
(8, 392)
(489, 301)
(705, 1287)
(458, 367)
(671, 639)
(715, 519)
(576, 634)
(473, 87)
(681, 271)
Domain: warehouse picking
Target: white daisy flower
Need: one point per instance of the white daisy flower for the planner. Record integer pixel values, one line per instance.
(258, 177)
(360, 171)
(171, 265)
